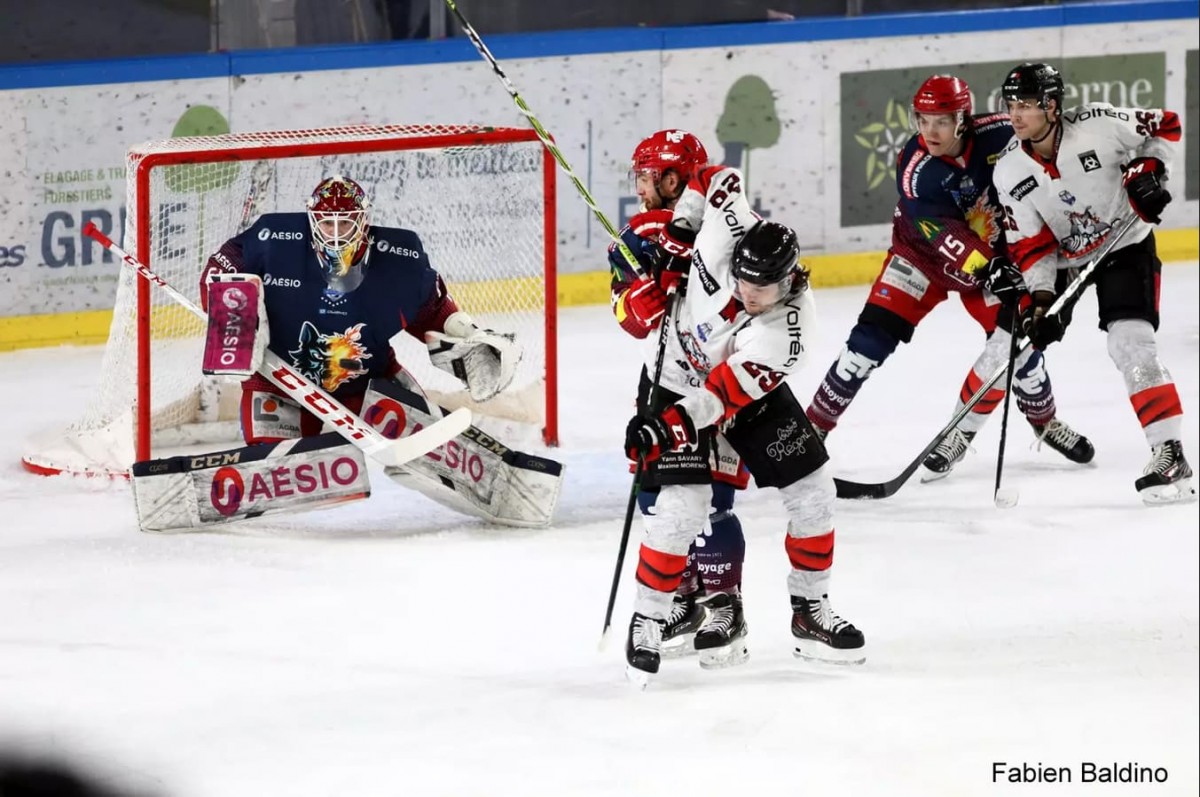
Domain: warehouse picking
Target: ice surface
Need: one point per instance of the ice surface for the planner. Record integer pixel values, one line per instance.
(392, 648)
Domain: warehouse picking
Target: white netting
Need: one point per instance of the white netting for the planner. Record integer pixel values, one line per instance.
(476, 196)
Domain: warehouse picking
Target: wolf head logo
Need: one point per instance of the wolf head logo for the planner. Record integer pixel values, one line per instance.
(330, 359)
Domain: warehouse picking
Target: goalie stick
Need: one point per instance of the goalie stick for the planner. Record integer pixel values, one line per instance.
(310, 396)
(1067, 300)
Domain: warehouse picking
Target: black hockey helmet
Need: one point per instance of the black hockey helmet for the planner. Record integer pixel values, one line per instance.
(1034, 81)
(767, 254)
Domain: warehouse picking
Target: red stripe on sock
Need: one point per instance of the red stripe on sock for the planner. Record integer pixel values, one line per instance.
(1156, 403)
(810, 553)
(660, 571)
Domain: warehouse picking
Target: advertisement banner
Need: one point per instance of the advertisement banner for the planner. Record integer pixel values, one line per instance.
(876, 104)
(74, 173)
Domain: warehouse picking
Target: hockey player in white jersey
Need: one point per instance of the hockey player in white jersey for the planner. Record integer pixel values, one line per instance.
(1066, 177)
(742, 325)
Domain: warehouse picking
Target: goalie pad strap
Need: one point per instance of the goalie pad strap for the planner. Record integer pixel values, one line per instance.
(193, 491)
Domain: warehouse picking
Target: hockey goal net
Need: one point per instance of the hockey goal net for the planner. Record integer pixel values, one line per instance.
(481, 198)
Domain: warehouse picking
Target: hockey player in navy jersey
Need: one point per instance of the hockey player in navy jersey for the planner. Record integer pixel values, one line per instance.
(662, 165)
(946, 238)
(327, 292)
(743, 324)
(1068, 175)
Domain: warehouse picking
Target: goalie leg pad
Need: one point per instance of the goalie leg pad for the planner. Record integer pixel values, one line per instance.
(474, 473)
(194, 491)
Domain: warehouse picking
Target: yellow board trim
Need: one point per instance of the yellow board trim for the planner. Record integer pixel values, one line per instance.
(592, 287)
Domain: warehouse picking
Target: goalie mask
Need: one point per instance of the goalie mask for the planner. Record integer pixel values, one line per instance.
(668, 150)
(339, 213)
(766, 267)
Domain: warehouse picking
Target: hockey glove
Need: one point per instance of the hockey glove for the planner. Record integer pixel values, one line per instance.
(1004, 280)
(1143, 184)
(484, 359)
(650, 224)
(647, 439)
(640, 308)
(1042, 329)
(673, 256)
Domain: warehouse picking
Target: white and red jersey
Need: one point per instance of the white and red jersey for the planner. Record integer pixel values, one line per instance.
(716, 350)
(1058, 211)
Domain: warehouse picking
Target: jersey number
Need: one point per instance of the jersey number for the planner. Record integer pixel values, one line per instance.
(1147, 125)
(952, 248)
(1009, 222)
(730, 185)
(768, 380)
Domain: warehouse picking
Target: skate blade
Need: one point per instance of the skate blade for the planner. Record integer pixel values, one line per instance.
(928, 475)
(1180, 492)
(679, 647)
(730, 655)
(809, 650)
(639, 678)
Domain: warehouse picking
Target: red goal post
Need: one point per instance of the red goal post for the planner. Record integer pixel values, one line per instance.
(482, 199)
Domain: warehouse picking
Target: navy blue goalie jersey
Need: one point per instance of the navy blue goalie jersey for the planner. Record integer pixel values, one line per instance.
(338, 340)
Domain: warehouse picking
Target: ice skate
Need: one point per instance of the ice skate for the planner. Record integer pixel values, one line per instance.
(643, 649)
(1167, 478)
(679, 633)
(821, 635)
(948, 453)
(721, 642)
(1065, 440)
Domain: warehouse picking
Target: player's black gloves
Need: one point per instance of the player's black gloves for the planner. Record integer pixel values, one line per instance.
(1004, 280)
(1040, 328)
(648, 438)
(1143, 184)
(673, 256)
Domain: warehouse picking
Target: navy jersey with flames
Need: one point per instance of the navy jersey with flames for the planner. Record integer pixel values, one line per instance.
(338, 340)
(948, 222)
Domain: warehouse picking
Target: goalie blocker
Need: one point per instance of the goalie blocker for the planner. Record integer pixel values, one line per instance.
(237, 326)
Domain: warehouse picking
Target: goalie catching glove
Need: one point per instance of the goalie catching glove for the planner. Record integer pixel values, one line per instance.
(483, 359)
(237, 325)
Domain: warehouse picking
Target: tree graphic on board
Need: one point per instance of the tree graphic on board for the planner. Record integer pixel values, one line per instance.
(748, 121)
(200, 179)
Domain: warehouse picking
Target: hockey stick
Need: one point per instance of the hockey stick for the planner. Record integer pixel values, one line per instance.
(1065, 300)
(310, 396)
(673, 298)
(548, 142)
(1006, 499)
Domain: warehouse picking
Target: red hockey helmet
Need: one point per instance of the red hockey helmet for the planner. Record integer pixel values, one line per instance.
(943, 94)
(669, 149)
(339, 213)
